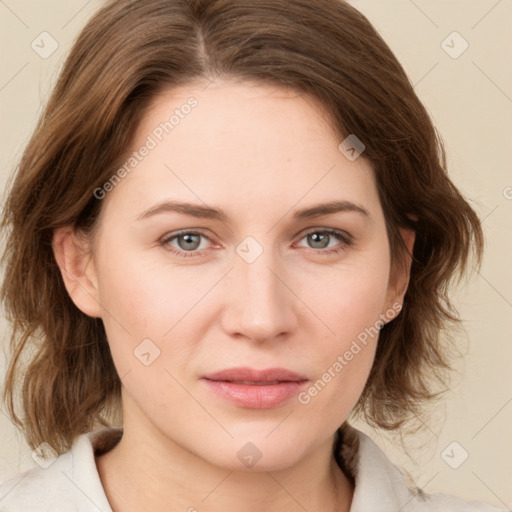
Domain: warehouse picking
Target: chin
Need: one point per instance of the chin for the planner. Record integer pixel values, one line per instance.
(254, 453)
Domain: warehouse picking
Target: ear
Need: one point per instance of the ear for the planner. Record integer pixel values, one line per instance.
(76, 264)
(400, 274)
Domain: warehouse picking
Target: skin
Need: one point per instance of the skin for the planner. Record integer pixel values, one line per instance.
(259, 153)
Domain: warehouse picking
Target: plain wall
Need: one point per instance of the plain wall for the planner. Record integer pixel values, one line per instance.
(470, 100)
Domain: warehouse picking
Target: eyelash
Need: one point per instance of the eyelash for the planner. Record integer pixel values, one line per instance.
(343, 237)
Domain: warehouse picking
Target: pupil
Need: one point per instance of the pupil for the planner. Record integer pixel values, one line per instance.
(321, 238)
(188, 239)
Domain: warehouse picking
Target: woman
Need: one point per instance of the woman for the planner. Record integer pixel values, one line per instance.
(232, 224)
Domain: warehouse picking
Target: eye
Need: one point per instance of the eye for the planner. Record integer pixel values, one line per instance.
(188, 243)
(322, 238)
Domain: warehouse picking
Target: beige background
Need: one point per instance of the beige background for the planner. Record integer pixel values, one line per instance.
(470, 100)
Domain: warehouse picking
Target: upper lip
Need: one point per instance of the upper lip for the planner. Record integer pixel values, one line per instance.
(247, 374)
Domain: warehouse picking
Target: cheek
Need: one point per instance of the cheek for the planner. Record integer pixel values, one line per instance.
(144, 301)
(148, 298)
(343, 358)
(350, 306)
(347, 299)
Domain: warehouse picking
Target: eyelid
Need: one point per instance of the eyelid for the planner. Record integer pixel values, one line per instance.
(345, 238)
(192, 231)
(325, 229)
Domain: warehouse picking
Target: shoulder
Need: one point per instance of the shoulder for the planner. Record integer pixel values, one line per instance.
(379, 484)
(39, 487)
(69, 482)
(448, 502)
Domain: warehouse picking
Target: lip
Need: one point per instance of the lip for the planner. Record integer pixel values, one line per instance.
(255, 389)
(251, 374)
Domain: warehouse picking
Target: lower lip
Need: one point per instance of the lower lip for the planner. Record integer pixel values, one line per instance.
(253, 396)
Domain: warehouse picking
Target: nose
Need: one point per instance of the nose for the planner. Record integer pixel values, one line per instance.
(259, 301)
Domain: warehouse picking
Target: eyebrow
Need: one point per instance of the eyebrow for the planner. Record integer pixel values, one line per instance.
(205, 212)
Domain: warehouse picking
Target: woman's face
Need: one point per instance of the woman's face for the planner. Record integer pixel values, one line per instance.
(252, 274)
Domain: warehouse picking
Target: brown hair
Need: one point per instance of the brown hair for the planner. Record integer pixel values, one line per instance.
(129, 52)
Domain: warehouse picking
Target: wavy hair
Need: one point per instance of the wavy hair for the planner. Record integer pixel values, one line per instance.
(128, 53)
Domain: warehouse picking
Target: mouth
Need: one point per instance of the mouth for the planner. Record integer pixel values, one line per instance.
(255, 389)
(254, 383)
(251, 376)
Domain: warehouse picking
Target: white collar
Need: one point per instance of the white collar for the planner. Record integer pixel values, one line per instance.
(72, 481)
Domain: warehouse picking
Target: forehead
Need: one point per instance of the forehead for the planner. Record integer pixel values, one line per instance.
(248, 146)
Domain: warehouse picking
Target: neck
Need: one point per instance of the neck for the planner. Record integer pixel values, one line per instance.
(142, 473)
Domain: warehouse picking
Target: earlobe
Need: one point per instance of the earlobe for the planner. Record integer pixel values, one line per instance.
(77, 269)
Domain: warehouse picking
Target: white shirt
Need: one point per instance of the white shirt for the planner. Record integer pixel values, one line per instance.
(72, 484)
